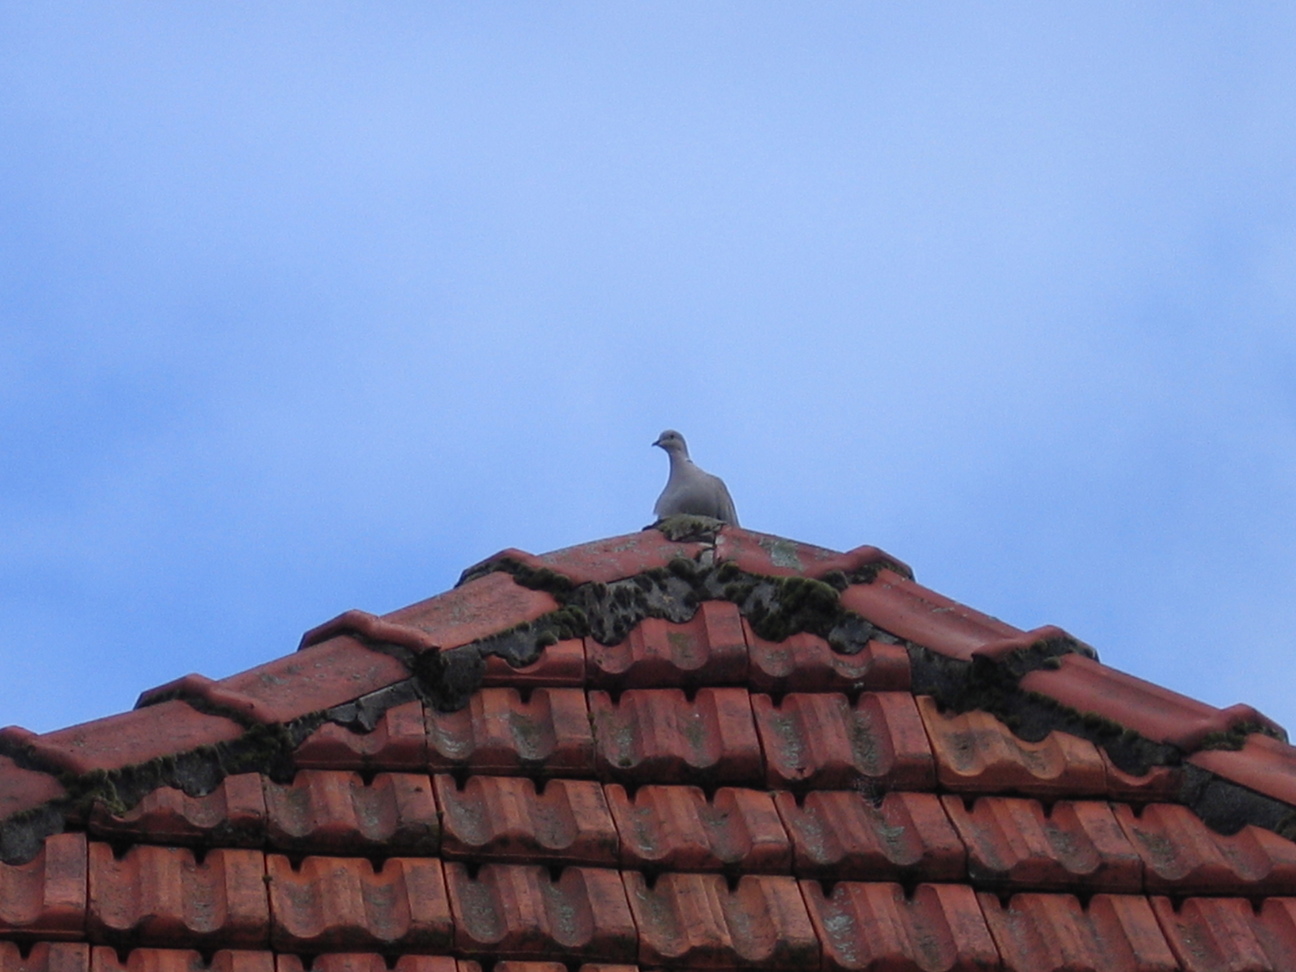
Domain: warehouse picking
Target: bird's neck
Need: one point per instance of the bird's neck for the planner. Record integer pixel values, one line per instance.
(679, 460)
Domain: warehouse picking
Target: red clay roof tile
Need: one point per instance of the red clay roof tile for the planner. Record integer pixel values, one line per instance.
(522, 911)
(1016, 842)
(821, 740)
(373, 962)
(1159, 714)
(509, 818)
(163, 896)
(976, 753)
(45, 957)
(324, 810)
(698, 920)
(47, 895)
(659, 736)
(708, 650)
(602, 561)
(1263, 764)
(24, 789)
(127, 739)
(104, 959)
(806, 663)
(481, 607)
(1183, 856)
(499, 732)
(232, 815)
(845, 835)
(319, 677)
(909, 611)
(1112, 933)
(345, 903)
(559, 665)
(397, 742)
(1227, 935)
(774, 805)
(868, 925)
(679, 828)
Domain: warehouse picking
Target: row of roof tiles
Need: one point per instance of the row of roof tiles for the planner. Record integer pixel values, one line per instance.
(719, 735)
(717, 645)
(996, 842)
(698, 920)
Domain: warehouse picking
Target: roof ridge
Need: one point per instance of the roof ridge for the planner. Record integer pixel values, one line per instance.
(194, 731)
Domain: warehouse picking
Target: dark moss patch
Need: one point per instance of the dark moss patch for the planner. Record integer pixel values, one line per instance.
(684, 528)
(1227, 807)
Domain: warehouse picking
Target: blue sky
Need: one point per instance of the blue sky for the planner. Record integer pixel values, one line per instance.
(306, 307)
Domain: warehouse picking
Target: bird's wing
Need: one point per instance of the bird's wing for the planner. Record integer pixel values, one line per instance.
(724, 503)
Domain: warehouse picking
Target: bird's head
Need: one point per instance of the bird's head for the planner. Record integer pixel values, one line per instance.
(672, 442)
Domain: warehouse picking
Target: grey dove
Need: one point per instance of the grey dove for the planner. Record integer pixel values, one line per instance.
(690, 489)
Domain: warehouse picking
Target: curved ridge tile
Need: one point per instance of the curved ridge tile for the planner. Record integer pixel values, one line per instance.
(22, 789)
(480, 608)
(910, 611)
(317, 677)
(1154, 712)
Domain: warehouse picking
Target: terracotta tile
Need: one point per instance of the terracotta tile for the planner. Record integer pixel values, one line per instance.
(845, 835)
(1150, 710)
(604, 561)
(1184, 856)
(868, 925)
(104, 959)
(1219, 935)
(507, 818)
(697, 920)
(559, 665)
(516, 966)
(678, 828)
(161, 896)
(46, 957)
(322, 810)
(1274, 925)
(232, 815)
(476, 610)
(806, 663)
(1262, 764)
(47, 895)
(708, 650)
(1159, 783)
(909, 611)
(976, 753)
(522, 911)
(24, 789)
(771, 556)
(132, 737)
(373, 962)
(499, 733)
(397, 742)
(343, 903)
(1014, 842)
(319, 677)
(820, 740)
(1114, 933)
(659, 736)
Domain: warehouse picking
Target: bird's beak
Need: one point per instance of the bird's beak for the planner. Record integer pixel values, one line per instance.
(658, 442)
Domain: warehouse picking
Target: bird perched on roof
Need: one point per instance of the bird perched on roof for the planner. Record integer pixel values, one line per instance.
(690, 489)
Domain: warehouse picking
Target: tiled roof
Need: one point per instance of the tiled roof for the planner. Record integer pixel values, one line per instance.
(690, 747)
